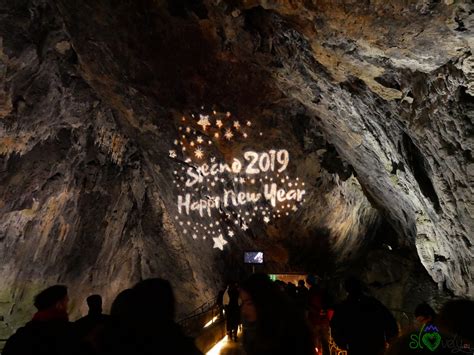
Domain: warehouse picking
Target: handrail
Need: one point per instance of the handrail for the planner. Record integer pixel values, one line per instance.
(203, 308)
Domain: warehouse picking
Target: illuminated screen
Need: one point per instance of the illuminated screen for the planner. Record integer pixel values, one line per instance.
(253, 257)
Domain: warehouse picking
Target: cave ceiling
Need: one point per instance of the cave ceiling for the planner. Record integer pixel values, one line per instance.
(372, 102)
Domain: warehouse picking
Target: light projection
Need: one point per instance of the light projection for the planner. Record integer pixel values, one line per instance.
(224, 188)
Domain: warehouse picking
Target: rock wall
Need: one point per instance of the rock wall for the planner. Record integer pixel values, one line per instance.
(373, 102)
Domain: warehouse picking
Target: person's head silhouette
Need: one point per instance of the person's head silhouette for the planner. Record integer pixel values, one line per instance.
(52, 298)
(95, 304)
(154, 300)
(424, 313)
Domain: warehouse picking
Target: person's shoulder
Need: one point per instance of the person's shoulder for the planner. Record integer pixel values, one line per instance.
(19, 339)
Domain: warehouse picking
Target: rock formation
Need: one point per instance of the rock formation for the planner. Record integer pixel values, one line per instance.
(372, 100)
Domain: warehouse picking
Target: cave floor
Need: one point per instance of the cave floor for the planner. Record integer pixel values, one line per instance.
(228, 347)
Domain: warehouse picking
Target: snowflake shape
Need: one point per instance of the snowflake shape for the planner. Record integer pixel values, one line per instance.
(198, 153)
(228, 134)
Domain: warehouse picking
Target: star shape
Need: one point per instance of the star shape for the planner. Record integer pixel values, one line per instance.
(219, 242)
(204, 121)
(228, 134)
(231, 234)
(266, 219)
(198, 153)
(172, 154)
(295, 208)
(236, 124)
(219, 123)
(199, 140)
(244, 227)
(249, 123)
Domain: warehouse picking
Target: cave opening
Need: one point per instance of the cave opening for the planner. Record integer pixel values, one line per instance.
(209, 142)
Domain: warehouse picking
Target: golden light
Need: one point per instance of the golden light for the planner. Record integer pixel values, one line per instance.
(216, 350)
(211, 322)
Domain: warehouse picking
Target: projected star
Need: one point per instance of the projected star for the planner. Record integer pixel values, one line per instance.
(231, 234)
(236, 124)
(249, 123)
(228, 134)
(199, 140)
(172, 154)
(219, 242)
(244, 227)
(198, 153)
(295, 208)
(219, 123)
(204, 121)
(266, 219)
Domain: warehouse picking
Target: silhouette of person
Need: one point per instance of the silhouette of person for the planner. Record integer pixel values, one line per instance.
(49, 332)
(143, 322)
(88, 328)
(424, 314)
(232, 310)
(449, 332)
(317, 315)
(220, 303)
(455, 320)
(361, 324)
(272, 323)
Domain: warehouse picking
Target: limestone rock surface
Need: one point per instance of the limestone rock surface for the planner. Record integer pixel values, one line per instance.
(372, 100)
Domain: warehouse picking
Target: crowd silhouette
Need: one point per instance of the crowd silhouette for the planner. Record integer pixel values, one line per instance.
(277, 318)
